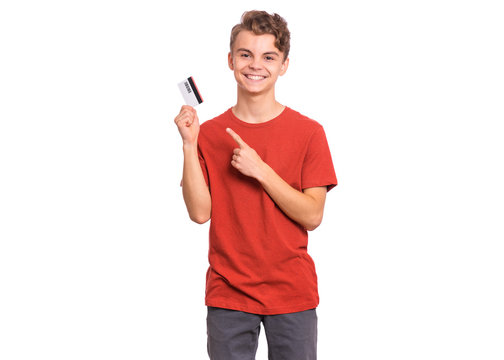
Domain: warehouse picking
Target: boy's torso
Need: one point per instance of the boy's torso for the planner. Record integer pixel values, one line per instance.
(258, 256)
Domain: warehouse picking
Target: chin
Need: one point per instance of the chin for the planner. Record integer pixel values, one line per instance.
(254, 91)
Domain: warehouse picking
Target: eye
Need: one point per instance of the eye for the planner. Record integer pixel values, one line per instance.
(245, 55)
(270, 58)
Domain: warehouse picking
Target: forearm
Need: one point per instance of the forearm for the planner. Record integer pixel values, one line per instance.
(304, 208)
(194, 188)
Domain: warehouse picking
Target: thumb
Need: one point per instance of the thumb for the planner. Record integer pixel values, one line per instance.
(236, 138)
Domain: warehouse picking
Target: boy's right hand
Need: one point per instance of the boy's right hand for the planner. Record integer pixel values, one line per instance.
(188, 125)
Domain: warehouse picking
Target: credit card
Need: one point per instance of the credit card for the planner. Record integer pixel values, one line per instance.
(190, 92)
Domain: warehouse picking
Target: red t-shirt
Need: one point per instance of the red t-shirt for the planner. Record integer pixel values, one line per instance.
(258, 256)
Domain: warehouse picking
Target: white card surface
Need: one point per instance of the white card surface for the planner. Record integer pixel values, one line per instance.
(190, 92)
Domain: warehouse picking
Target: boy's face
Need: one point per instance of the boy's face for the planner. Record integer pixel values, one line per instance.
(256, 62)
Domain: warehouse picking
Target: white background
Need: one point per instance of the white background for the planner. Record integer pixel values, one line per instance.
(98, 259)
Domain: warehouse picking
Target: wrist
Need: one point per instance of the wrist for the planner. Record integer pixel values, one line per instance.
(189, 146)
(262, 174)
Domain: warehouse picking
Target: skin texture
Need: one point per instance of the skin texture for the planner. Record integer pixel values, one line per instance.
(194, 188)
(256, 64)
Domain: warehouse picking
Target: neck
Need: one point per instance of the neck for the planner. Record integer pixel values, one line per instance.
(257, 108)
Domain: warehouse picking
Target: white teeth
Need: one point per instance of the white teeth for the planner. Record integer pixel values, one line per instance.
(255, 77)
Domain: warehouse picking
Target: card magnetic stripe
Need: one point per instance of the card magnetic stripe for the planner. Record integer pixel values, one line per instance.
(195, 89)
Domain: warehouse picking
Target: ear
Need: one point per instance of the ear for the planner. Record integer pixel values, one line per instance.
(284, 67)
(230, 61)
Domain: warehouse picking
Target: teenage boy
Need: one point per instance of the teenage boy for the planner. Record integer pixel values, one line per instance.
(260, 172)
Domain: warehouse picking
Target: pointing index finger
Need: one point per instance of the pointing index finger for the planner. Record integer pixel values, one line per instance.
(236, 138)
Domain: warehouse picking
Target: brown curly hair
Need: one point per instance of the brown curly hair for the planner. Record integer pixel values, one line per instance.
(260, 22)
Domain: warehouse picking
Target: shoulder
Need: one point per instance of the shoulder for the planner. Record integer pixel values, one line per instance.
(219, 119)
(209, 127)
(212, 132)
(302, 123)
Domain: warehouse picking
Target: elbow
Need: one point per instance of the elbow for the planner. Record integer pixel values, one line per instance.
(199, 219)
(199, 211)
(312, 226)
(313, 222)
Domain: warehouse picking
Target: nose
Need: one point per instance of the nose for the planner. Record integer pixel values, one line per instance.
(255, 63)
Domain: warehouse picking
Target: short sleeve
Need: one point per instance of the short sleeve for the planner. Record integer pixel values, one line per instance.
(203, 167)
(318, 168)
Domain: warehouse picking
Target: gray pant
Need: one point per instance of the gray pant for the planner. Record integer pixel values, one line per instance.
(233, 335)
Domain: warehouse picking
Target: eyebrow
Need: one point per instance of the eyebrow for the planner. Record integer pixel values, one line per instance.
(266, 53)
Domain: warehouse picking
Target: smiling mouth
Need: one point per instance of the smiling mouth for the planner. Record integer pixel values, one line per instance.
(255, 77)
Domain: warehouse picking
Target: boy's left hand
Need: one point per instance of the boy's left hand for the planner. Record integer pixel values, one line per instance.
(245, 159)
